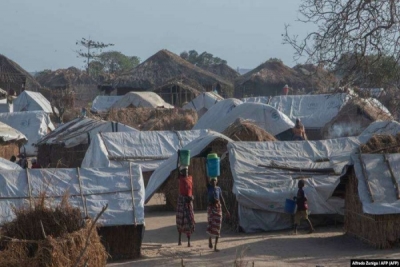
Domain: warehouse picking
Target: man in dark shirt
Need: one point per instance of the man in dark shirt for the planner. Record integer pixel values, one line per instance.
(302, 207)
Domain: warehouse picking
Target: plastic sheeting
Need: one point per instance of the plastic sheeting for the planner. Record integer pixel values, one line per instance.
(8, 165)
(384, 194)
(257, 99)
(32, 101)
(141, 99)
(262, 115)
(5, 107)
(8, 133)
(81, 131)
(217, 111)
(161, 174)
(147, 148)
(265, 189)
(103, 103)
(98, 188)
(314, 111)
(33, 124)
(203, 102)
(382, 127)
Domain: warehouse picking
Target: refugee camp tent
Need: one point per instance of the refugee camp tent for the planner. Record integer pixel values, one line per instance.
(89, 189)
(314, 111)
(5, 106)
(6, 164)
(33, 124)
(147, 148)
(103, 103)
(66, 146)
(382, 127)
(257, 99)
(218, 110)
(32, 101)
(141, 99)
(354, 117)
(266, 174)
(262, 115)
(10, 141)
(203, 102)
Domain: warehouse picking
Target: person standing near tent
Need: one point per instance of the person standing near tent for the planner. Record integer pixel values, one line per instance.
(184, 210)
(214, 211)
(299, 133)
(302, 207)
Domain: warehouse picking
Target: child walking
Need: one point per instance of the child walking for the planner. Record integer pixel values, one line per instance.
(302, 207)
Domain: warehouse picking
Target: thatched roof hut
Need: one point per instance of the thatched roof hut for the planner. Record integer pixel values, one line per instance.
(317, 78)
(179, 91)
(242, 130)
(354, 117)
(14, 77)
(222, 70)
(65, 78)
(372, 212)
(268, 79)
(163, 66)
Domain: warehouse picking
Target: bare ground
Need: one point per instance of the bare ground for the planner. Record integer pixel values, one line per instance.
(328, 246)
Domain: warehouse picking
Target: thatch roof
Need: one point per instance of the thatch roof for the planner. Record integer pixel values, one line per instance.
(164, 65)
(356, 115)
(244, 130)
(382, 144)
(184, 83)
(270, 77)
(317, 78)
(12, 73)
(65, 78)
(222, 70)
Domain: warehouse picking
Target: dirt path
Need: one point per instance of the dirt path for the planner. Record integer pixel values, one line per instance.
(327, 247)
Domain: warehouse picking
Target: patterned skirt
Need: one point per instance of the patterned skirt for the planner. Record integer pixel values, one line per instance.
(185, 216)
(214, 215)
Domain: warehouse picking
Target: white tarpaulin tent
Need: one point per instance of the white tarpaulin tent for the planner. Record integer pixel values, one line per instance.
(261, 191)
(262, 115)
(81, 131)
(314, 111)
(256, 99)
(382, 127)
(89, 189)
(203, 102)
(33, 124)
(32, 101)
(7, 133)
(147, 148)
(161, 174)
(8, 165)
(141, 99)
(379, 179)
(103, 103)
(220, 109)
(5, 107)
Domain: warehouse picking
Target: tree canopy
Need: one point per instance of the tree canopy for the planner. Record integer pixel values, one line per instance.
(365, 29)
(114, 62)
(90, 50)
(203, 59)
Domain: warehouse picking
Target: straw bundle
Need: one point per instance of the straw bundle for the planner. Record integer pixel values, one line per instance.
(44, 236)
(244, 130)
(380, 231)
(382, 143)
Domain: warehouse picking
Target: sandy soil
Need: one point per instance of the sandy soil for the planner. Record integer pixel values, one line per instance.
(328, 246)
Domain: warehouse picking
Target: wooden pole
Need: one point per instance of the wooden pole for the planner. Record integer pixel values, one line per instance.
(396, 185)
(364, 171)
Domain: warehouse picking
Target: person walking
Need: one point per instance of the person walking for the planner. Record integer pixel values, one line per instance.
(184, 211)
(302, 208)
(214, 211)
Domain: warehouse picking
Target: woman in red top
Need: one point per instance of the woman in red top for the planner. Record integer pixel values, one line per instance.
(184, 210)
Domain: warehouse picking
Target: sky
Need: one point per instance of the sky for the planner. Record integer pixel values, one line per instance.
(41, 34)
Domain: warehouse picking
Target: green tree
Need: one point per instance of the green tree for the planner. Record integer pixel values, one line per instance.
(114, 62)
(203, 59)
(90, 50)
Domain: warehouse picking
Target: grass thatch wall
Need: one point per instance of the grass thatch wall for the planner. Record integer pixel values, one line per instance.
(177, 93)
(353, 118)
(151, 119)
(9, 149)
(122, 242)
(58, 156)
(382, 143)
(380, 231)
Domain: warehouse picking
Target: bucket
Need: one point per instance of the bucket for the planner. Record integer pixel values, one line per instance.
(290, 206)
(213, 169)
(184, 157)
